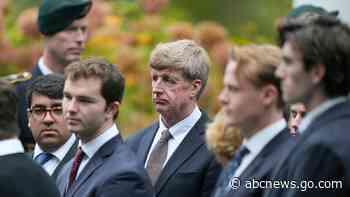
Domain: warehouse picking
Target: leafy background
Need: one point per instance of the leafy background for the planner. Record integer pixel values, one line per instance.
(125, 32)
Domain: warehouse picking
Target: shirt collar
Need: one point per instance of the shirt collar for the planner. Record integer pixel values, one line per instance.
(92, 147)
(43, 68)
(312, 115)
(182, 127)
(257, 142)
(61, 152)
(10, 146)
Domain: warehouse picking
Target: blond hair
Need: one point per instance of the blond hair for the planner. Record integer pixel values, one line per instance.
(223, 142)
(257, 64)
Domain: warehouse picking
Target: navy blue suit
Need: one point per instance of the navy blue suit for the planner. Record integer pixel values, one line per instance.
(261, 168)
(20, 176)
(25, 136)
(322, 153)
(112, 171)
(191, 171)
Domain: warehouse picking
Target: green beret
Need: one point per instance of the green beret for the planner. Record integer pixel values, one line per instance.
(303, 9)
(56, 15)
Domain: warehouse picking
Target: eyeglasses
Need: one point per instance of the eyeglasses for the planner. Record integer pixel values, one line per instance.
(40, 112)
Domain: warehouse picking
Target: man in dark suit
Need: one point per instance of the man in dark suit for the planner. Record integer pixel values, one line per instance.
(63, 26)
(55, 144)
(104, 165)
(315, 71)
(173, 149)
(15, 167)
(252, 102)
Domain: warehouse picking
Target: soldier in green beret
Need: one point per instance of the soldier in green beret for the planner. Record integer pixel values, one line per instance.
(63, 26)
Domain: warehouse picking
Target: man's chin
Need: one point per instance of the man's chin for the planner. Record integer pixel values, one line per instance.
(161, 109)
(73, 58)
(49, 143)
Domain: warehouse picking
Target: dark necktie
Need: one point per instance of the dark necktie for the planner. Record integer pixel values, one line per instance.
(43, 157)
(158, 156)
(76, 163)
(230, 170)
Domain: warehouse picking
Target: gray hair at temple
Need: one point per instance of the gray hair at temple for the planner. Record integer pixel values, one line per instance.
(183, 55)
(8, 112)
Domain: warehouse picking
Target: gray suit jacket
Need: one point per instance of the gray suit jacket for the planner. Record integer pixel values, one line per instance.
(112, 171)
(192, 170)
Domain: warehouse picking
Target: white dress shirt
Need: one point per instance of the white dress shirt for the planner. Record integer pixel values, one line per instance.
(43, 68)
(257, 142)
(58, 155)
(312, 115)
(94, 145)
(178, 132)
(10, 146)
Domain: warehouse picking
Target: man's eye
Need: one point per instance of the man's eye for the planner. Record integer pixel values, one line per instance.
(294, 114)
(67, 97)
(57, 110)
(169, 80)
(85, 101)
(39, 111)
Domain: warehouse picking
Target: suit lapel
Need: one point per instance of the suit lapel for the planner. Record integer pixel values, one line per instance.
(146, 142)
(341, 109)
(273, 146)
(184, 151)
(70, 154)
(330, 114)
(96, 161)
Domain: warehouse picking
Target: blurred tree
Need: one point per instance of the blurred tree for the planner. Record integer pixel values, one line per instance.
(249, 19)
(125, 32)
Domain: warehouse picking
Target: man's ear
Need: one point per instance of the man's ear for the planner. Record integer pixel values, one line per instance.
(318, 72)
(196, 86)
(269, 94)
(113, 109)
(29, 118)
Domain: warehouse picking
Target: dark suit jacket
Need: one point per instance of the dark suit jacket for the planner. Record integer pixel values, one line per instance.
(261, 168)
(191, 171)
(25, 136)
(322, 153)
(21, 177)
(70, 154)
(112, 171)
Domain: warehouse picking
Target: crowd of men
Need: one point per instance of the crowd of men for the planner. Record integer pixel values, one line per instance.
(67, 114)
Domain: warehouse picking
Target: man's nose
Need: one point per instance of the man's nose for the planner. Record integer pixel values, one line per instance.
(222, 98)
(72, 106)
(48, 117)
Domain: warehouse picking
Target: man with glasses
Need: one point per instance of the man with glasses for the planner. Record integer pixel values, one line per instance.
(64, 28)
(297, 112)
(55, 144)
(15, 167)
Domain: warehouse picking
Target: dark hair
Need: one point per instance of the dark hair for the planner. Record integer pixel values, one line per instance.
(8, 112)
(113, 83)
(49, 85)
(326, 41)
